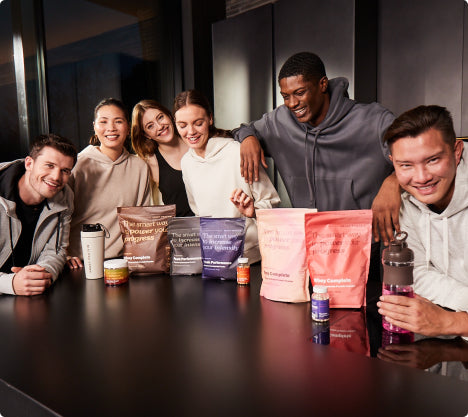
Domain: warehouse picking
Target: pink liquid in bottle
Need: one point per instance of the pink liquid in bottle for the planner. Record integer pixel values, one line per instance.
(405, 290)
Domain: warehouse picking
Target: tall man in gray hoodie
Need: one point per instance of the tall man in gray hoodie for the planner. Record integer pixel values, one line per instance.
(35, 212)
(433, 173)
(328, 148)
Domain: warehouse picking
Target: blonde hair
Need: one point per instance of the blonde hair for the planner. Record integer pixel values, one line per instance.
(144, 146)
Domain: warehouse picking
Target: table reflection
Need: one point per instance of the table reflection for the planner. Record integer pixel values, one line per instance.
(446, 356)
(361, 331)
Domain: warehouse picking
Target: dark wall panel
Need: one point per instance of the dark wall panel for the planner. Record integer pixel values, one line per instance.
(242, 67)
(323, 27)
(420, 55)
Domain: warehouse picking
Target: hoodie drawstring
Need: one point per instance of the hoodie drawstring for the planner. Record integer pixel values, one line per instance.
(11, 242)
(309, 174)
(57, 240)
(446, 245)
(428, 240)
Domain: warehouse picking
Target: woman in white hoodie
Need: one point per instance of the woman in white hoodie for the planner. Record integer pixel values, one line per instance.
(211, 170)
(106, 176)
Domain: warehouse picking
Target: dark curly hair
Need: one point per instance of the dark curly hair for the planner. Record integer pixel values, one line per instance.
(307, 64)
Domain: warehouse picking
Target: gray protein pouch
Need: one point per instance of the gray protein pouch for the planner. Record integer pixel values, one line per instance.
(184, 237)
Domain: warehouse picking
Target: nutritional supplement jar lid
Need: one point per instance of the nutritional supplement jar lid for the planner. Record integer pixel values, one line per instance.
(243, 260)
(115, 264)
(321, 289)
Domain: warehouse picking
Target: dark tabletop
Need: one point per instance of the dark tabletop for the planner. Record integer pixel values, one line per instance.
(184, 346)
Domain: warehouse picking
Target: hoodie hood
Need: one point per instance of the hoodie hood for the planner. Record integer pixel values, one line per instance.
(340, 105)
(93, 152)
(213, 148)
(10, 173)
(446, 224)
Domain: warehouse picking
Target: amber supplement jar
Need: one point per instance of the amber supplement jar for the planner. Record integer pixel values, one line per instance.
(115, 272)
(243, 271)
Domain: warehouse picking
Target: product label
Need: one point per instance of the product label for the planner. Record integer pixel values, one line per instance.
(116, 276)
(243, 276)
(320, 310)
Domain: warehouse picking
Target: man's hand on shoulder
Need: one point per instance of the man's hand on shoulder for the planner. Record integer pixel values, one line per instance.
(251, 154)
(386, 210)
(31, 280)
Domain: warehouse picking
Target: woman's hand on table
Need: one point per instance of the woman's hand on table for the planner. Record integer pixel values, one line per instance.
(73, 262)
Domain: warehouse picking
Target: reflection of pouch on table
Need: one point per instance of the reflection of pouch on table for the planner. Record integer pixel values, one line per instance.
(350, 332)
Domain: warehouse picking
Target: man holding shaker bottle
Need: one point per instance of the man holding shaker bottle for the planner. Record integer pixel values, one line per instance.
(35, 211)
(431, 167)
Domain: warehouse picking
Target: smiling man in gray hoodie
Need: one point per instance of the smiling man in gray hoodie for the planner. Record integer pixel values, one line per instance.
(328, 148)
(433, 173)
(35, 212)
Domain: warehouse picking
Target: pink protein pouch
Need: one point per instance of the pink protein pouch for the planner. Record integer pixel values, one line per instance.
(282, 247)
(338, 254)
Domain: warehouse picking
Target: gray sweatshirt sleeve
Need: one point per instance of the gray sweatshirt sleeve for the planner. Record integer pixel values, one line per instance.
(259, 128)
(385, 121)
(54, 254)
(6, 283)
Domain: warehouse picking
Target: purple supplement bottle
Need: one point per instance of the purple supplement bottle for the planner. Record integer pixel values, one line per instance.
(320, 304)
(398, 262)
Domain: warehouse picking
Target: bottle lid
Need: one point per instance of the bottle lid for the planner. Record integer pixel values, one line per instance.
(320, 289)
(398, 252)
(115, 264)
(398, 262)
(243, 260)
(91, 227)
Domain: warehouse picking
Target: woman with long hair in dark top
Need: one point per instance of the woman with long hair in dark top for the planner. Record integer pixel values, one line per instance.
(156, 141)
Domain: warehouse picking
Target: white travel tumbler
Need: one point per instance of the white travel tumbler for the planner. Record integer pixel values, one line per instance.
(92, 244)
